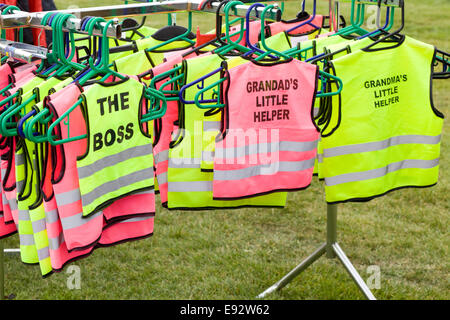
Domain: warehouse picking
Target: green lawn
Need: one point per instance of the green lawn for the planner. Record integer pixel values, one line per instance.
(237, 254)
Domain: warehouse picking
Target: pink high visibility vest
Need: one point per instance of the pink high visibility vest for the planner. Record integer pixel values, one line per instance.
(59, 254)
(269, 139)
(5, 71)
(7, 226)
(9, 181)
(255, 31)
(282, 26)
(79, 233)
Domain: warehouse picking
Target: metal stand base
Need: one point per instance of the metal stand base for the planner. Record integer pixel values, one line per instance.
(332, 250)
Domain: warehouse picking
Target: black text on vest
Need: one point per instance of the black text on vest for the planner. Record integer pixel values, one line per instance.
(107, 105)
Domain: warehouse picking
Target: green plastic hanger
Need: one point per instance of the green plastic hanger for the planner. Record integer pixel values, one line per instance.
(355, 26)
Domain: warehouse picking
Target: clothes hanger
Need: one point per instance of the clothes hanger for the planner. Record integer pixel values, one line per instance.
(156, 98)
(355, 26)
(301, 18)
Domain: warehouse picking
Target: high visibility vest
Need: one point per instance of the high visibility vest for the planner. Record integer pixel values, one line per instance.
(388, 132)
(26, 192)
(270, 145)
(118, 159)
(188, 186)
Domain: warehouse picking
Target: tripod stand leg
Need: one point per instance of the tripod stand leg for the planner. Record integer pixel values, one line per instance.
(296, 271)
(352, 271)
(2, 272)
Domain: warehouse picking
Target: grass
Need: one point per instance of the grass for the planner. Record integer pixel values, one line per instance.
(237, 254)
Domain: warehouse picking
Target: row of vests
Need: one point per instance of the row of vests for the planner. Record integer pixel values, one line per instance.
(380, 134)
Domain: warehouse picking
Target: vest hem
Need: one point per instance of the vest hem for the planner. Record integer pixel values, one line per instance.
(366, 199)
(262, 193)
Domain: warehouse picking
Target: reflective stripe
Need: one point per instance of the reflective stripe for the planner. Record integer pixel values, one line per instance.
(184, 163)
(190, 186)
(112, 160)
(52, 216)
(162, 178)
(208, 156)
(283, 166)
(13, 204)
(24, 215)
(320, 157)
(68, 197)
(20, 159)
(38, 225)
(77, 220)
(162, 156)
(152, 191)
(212, 125)
(295, 146)
(26, 239)
(19, 185)
(380, 145)
(316, 111)
(43, 253)
(55, 243)
(114, 185)
(137, 219)
(380, 172)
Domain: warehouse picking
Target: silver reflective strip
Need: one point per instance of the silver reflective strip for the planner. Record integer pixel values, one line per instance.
(4, 200)
(162, 178)
(184, 163)
(52, 216)
(295, 146)
(316, 111)
(19, 185)
(162, 156)
(109, 161)
(380, 145)
(43, 253)
(19, 159)
(24, 215)
(152, 191)
(208, 156)
(26, 239)
(55, 243)
(13, 204)
(137, 219)
(68, 197)
(78, 220)
(190, 186)
(38, 225)
(320, 157)
(380, 172)
(263, 170)
(114, 185)
(212, 125)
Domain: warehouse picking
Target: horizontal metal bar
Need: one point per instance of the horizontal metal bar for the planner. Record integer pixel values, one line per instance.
(23, 19)
(384, 3)
(22, 51)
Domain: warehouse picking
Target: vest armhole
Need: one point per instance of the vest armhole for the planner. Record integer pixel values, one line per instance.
(84, 111)
(316, 85)
(433, 108)
(181, 111)
(332, 69)
(141, 125)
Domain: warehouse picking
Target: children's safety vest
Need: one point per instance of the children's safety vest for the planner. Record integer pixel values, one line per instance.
(388, 132)
(118, 159)
(270, 145)
(188, 186)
